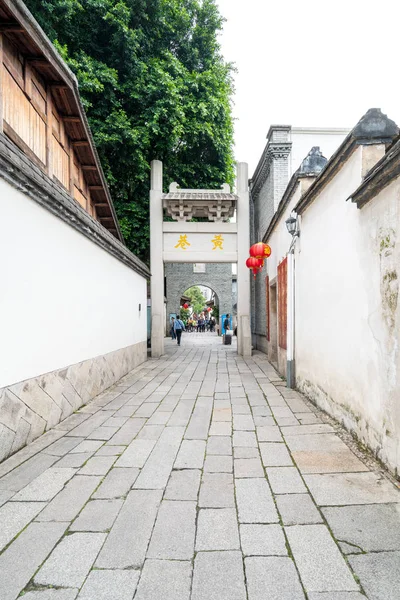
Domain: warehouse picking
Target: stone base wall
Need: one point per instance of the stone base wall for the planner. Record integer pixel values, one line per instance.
(260, 342)
(384, 447)
(31, 407)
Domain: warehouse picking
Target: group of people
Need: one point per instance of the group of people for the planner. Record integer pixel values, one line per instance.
(199, 323)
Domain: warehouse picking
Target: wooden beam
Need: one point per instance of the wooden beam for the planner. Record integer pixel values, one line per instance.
(49, 133)
(12, 27)
(88, 167)
(79, 143)
(37, 61)
(59, 86)
(96, 188)
(107, 219)
(71, 119)
(100, 204)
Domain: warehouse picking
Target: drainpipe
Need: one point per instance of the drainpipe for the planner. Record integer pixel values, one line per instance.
(290, 366)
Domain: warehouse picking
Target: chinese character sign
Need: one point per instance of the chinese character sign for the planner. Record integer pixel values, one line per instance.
(218, 240)
(182, 242)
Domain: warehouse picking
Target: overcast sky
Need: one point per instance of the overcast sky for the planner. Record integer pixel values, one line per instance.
(309, 64)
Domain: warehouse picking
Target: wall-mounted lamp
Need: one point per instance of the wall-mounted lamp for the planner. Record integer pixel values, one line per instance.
(292, 226)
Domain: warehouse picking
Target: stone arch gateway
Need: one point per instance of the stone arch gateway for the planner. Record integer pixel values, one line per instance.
(214, 240)
(180, 277)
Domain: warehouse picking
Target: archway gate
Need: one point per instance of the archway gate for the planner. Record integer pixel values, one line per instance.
(212, 241)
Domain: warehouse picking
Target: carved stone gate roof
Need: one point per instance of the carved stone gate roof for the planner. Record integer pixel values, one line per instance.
(214, 205)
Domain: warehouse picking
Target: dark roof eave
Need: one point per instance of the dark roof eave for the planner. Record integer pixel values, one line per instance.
(360, 135)
(21, 14)
(380, 176)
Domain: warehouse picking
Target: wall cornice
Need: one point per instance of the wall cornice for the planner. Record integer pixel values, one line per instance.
(22, 174)
(273, 151)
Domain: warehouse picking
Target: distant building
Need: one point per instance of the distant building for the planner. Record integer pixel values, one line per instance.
(73, 299)
(285, 149)
(181, 276)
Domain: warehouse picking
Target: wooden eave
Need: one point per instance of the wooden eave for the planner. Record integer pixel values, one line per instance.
(17, 23)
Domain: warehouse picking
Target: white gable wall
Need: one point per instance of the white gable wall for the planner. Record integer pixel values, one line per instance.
(346, 309)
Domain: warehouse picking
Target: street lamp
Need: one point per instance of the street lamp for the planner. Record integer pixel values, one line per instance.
(291, 224)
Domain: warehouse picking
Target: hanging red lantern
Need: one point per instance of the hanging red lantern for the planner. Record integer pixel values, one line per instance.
(260, 250)
(255, 264)
(208, 309)
(186, 306)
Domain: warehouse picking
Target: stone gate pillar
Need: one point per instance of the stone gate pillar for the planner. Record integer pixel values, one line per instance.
(156, 260)
(243, 273)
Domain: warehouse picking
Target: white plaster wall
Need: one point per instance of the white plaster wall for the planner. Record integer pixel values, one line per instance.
(63, 299)
(304, 139)
(346, 335)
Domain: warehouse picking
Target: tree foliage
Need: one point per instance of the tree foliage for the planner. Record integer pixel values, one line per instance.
(154, 86)
(197, 300)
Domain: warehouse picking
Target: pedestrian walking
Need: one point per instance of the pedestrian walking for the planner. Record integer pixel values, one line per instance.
(178, 328)
(172, 330)
(227, 322)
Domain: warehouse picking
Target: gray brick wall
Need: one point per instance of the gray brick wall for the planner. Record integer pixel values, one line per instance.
(180, 277)
(264, 205)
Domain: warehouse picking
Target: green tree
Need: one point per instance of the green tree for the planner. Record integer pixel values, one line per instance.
(154, 86)
(197, 300)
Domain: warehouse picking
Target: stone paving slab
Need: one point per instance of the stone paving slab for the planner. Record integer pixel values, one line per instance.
(156, 472)
(70, 562)
(136, 454)
(97, 515)
(166, 580)
(165, 498)
(336, 596)
(255, 502)
(46, 486)
(128, 539)
(285, 480)
(373, 527)
(298, 509)
(183, 485)
(321, 566)
(351, 488)
(219, 445)
(48, 594)
(117, 483)
(174, 531)
(67, 504)
(274, 578)
(217, 529)
(191, 455)
(262, 540)
(19, 562)
(379, 574)
(109, 585)
(14, 517)
(218, 576)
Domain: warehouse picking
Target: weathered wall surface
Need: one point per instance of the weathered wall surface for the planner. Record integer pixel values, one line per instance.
(180, 277)
(347, 310)
(71, 321)
(286, 148)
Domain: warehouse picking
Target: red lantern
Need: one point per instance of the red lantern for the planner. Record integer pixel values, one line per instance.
(208, 309)
(260, 250)
(255, 264)
(186, 306)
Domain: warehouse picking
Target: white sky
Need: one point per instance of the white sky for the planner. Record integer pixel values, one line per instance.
(308, 63)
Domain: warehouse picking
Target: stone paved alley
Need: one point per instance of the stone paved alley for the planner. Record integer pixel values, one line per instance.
(199, 476)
